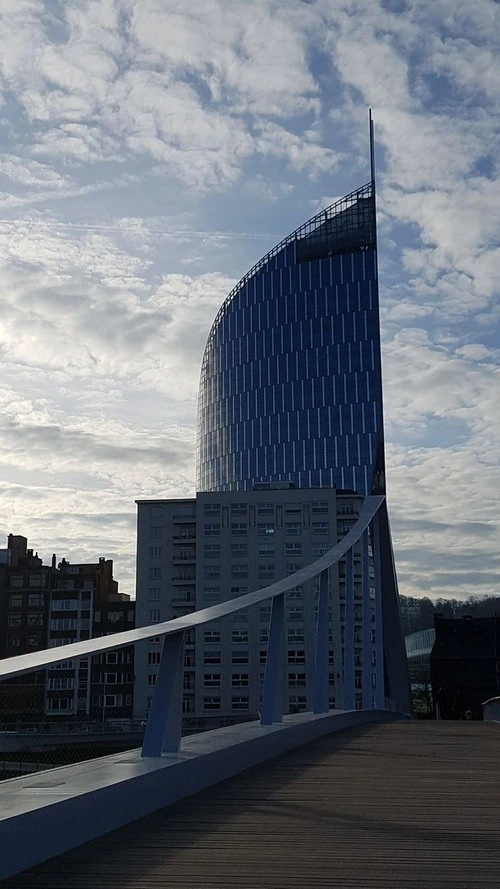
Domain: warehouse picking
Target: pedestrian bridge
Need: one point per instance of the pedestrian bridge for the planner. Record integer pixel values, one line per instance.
(44, 815)
(392, 803)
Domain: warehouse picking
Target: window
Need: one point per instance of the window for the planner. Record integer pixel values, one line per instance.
(155, 552)
(239, 636)
(239, 680)
(238, 591)
(35, 599)
(265, 509)
(211, 680)
(320, 527)
(298, 703)
(266, 549)
(319, 549)
(185, 553)
(16, 600)
(263, 656)
(211, 636)
(320, 507)
(212, 529)
(292, 567)
(212, 572)
(293, 528)
(239, 657)
(266, 571)
(295, 636)
(35, 620)
(64, 605)
(16, 580)
(211, 550)
(238, 509)
(211, 508)
(152, 679)
(211, 595)
(156, 531)
(14, 620)
(296, 680)
(239, 571)
(295, 593)
(211, 657)
(240, 702)
(14, 641)
(154, 594)
(63, 623)
(265, 612)
(295, 612)
(239, 549)
(238, 529)
(37, 579)
(61, 683)
(154, 657)
(293, 549)
(114, 616)
(154, 615)
(297, 657)
(113, 700)
(155, 573)
(187, 705)
(155, 511)
(188, 681)
(211, 703)
(60, 704)
(263, 636)
(264, 529)
(346, 509)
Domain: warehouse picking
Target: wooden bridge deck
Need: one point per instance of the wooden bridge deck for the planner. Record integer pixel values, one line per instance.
(404, 804)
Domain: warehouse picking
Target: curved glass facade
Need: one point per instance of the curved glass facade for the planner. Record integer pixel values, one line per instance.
(290, 387)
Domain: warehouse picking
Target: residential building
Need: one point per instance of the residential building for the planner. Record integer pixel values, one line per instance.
(192, 554)
(46, 606)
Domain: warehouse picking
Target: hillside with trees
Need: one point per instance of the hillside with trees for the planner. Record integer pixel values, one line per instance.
(418, 614)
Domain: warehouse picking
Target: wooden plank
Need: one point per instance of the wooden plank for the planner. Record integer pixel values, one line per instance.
(405, 804)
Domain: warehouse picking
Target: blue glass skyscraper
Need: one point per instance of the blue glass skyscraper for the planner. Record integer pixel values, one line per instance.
(291, 385)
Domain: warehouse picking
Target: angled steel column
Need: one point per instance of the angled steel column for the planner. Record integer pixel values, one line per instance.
(164, 728)
(349, 632)
(273, 691)
(337, 636)
(379, 640)
(367, 626)
(321, 679)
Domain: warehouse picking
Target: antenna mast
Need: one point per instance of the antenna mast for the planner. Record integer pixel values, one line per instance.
(372, 146)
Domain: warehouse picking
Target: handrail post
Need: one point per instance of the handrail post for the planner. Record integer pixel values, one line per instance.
(379, 646)
(164, 726)
(349, 632)
(321, 678)
(367, 641)
(272, 695)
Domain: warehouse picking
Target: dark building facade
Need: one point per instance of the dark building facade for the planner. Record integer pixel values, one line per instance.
(290, 386)
(44, 606)
(465, 664)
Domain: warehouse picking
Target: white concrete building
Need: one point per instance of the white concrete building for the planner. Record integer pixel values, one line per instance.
(198, 552)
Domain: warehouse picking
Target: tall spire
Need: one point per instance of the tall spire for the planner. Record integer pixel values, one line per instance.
(372, 146)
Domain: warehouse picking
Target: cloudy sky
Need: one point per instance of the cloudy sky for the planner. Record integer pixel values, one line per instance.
(150, 156)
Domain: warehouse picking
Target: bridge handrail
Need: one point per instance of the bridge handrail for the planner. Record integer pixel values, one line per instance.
(25, 663)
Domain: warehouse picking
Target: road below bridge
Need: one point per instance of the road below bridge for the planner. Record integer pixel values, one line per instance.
(401, 804)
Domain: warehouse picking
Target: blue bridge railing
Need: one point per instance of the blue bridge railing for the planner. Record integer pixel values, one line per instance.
(163, 730)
